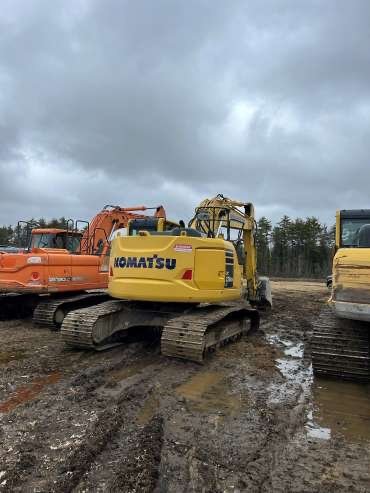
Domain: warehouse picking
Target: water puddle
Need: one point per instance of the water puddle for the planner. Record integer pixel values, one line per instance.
(291, 365)
(27, 393)
(148, 410)
(291, 369)
(339, 408)
(295, 350)
(9, 356)
(208, 392)
(314, 430)
(336, 408)
(194, 388)
(290, 348)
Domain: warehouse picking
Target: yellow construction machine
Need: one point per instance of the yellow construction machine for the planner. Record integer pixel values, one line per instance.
(197, 284)
(341, 337)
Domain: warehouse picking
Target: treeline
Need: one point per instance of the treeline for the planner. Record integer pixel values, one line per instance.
(291, 248)
(294, 247)
(13, 235)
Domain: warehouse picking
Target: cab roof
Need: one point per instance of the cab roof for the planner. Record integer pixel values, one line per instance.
(354, 213)
(54, 231)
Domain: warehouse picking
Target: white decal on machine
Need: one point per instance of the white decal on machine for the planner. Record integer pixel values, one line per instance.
(66, 279)
(34, 260)
(182, 248)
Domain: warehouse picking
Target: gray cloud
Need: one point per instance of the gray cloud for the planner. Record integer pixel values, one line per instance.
(148, 102)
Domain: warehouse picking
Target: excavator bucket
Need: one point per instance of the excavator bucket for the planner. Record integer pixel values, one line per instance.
(264, 293)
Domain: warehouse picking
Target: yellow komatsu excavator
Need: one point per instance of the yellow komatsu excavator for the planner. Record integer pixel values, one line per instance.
(341, 336)
(198, 284)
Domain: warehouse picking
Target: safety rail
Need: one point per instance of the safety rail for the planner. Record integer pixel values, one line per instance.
(30, 225)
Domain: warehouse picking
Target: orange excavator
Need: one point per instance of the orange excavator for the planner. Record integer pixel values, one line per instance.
(63, 269)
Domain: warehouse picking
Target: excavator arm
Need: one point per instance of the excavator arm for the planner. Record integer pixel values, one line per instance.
(96, 237)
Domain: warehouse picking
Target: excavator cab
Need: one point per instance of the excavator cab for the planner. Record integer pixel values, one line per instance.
(353, 229)
(160, 227)
(219, 222)
(154, 225)
(234, 222)
(56, 239)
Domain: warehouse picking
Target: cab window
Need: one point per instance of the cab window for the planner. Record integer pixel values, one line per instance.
(42, 240)
(350, 231)
(73, 244)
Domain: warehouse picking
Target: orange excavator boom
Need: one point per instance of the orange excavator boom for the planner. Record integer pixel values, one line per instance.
(96, 237)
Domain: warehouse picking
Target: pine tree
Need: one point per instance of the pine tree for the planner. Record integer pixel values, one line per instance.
(263, 236)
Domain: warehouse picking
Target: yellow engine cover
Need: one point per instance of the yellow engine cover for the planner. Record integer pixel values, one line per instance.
(174, 269)
(351, 275)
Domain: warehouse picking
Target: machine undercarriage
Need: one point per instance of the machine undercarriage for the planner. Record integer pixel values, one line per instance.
(187, 331)
(340, 347)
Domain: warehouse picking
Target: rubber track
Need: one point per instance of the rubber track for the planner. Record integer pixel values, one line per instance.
(188, 336)
(340, 348)
(45, 311)
(78, 329)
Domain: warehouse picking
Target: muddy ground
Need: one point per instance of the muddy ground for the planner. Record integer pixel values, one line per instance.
(251, 419)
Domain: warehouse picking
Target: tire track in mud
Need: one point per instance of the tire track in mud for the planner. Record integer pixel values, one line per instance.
(110, 422)
(73, 402)
(113, 412)
(281, 425)
(31, 354)
(213, 466)
(128, 451)
(139, 470)
(130, 459)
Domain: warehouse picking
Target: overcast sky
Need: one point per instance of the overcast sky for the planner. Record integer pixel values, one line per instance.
(168, 102)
